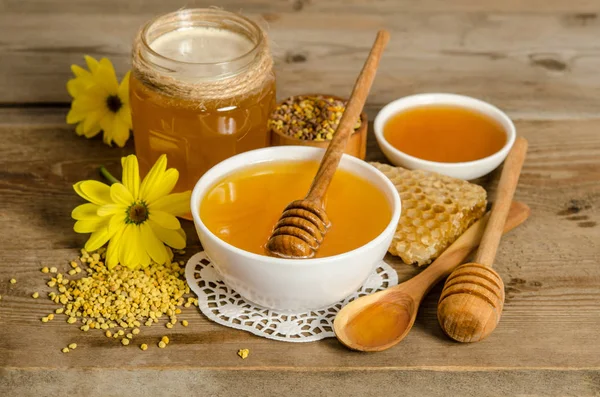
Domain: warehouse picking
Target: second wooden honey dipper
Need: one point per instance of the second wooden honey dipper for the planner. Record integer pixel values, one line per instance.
(473, 296)
(303, 224)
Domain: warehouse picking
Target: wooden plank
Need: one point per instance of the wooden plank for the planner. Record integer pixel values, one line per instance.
(194, 382)
(582, 9)
(549, 266)
(533, 65)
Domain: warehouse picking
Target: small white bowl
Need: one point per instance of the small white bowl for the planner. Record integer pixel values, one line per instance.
(466, 170)
(293, 284)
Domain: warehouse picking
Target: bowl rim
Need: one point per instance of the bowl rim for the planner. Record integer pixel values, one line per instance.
(433, 98)
(199, 190)
(364, 121)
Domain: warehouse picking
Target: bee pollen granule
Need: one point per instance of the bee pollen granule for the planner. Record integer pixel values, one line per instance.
(243, 353)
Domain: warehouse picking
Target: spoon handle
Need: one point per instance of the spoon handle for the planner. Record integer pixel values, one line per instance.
(357, 100)
(504, 195)
(458, 251)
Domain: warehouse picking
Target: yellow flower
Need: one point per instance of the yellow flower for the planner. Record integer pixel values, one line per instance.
(136, 219)
(100, 102)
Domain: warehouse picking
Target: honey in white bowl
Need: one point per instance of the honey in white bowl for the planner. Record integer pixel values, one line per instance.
(243, 207)
(444, 133)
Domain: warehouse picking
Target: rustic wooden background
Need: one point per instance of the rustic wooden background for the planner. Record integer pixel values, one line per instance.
(539, 60)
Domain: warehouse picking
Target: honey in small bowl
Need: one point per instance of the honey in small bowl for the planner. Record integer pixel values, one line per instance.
(242, 208)
(444, 133)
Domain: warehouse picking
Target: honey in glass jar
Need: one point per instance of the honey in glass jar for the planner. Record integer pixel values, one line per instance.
(202, 89)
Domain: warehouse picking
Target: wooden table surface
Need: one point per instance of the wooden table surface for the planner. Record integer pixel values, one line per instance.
(539, 60)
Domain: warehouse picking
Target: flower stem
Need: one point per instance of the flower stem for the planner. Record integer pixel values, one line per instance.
(104, 172)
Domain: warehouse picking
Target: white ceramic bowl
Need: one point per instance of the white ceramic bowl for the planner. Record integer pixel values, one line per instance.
(293, 284)
(465, 170)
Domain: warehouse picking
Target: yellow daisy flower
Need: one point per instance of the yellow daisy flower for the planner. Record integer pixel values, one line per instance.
(100, 102)
(136, 219)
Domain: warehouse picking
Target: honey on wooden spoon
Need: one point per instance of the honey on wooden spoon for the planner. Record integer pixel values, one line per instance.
(379, 321)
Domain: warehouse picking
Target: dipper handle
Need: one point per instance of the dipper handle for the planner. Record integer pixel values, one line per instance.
(303, 224)
(504, 195)
(354, 107)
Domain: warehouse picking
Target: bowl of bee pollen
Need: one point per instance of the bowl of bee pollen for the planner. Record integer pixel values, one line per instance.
(450, 134)
(311, 120)
(237, 202)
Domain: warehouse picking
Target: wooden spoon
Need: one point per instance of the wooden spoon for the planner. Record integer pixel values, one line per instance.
(379, 321)
(473, 297)
(303, 224)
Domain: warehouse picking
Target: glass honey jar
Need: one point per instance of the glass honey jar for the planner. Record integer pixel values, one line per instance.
(202, 89)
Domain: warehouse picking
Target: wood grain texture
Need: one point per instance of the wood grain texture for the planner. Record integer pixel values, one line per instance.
(248, 383)
(549, 266)
(536, 59)
(538, 63)
(357, 7)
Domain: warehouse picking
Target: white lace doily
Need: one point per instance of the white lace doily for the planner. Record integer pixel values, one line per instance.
(224, 306)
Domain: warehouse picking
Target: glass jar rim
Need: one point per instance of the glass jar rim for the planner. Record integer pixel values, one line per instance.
(191, 11)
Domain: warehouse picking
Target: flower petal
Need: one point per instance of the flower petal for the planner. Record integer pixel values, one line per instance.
(142, 257)
(97, 239)
(154, 247)
(163, 186)
(124, 88)
(73, 88)
(120, 194)
(107, 127)
(91, 132)
(164, 219)
(116, 222)
(91, 62)
(153, 178)
(181, 233)
(170, 253)
(131, 175)
(106, 77)
(93, 191)
(90, 225)
(173, 238)
(85, 211)
(119, 131)
(75, 116)
(131, 250)
(79, 129)
(92, 118)
(125, 115)
(125, 254)
(112, 252)
(111, 209)
(80, 72)
(92, 98)
(177, 204)
(76, 86)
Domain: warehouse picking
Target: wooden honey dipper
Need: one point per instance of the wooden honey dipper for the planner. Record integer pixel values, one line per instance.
(303, 224)
(473, 296)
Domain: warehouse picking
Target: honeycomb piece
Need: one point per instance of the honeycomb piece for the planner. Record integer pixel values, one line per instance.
(436, 210)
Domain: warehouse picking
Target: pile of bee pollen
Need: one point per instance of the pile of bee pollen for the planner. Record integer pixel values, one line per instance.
(119, 300)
